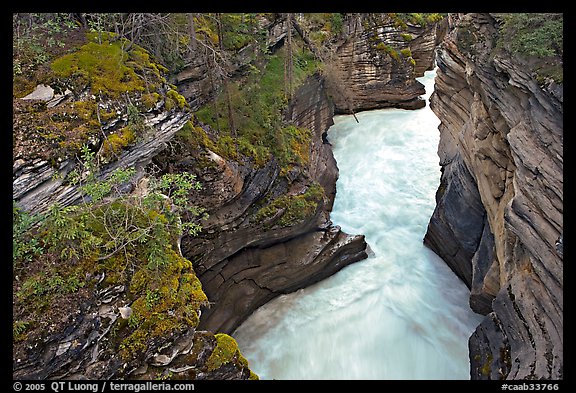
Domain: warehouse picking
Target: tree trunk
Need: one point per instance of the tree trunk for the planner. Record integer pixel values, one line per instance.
(192, 29)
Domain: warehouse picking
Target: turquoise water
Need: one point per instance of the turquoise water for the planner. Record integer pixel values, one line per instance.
(400, 314)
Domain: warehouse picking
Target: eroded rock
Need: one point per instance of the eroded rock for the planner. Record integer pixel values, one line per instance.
(499, 210)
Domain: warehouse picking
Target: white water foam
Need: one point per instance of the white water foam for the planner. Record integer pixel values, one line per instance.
(401, 314)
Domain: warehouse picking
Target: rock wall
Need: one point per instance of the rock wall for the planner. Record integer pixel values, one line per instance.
(376, 66)
(243, 262)
(82, 332)
(498, 222)
(37, 184)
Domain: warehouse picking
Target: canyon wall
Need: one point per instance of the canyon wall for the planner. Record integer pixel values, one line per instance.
(376, 66)
(498, 222)
(244, 261)
(267, 232)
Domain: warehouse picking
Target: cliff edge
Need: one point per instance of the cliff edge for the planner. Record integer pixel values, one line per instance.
(498, 222)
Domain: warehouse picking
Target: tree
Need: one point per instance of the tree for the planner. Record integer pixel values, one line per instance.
(289, 60)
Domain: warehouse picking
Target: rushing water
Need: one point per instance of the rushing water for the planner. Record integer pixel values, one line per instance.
(400, 314)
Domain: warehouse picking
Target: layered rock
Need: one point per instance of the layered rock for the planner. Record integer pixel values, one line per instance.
(84, 314)
(498, 222)
(376, 66)
(38, 184)
(243, 260)
(372, 63)
(242, 257)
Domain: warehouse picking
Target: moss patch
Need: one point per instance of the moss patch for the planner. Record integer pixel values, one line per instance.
(115, 143)
(288, 210)
(162, 289)
(112, 70)
(226, 351)
(109, 66)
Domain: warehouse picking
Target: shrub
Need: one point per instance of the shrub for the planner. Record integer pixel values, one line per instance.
(532, 34)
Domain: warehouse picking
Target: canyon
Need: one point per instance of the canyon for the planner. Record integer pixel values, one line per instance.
(498, 222)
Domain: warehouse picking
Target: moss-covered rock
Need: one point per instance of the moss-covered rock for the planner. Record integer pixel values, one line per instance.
(226, 351)
(102, 74)
(288, 210)
(109, 66)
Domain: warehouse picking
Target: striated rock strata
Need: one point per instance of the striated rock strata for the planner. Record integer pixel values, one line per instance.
(498, 222)
(244, 261)
(375, 67)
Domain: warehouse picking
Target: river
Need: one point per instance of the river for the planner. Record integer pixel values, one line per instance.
(400, 314)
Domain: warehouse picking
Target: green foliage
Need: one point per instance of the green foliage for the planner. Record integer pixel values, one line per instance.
(288, 210)
(336, 22)
(257, 109)
(45, 284)
(152, 298)
(24, 245)
(177, 187)
(36, 39)
(65, 231)
(238, 30)
(323, 26)
(129, 240)
(532, 34)
(422, 19)
(537, 37)
(19, 328)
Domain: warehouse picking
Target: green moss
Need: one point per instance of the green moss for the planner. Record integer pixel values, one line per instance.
(167, 300)
(486, 367)
(226, 351)
(149, 100)
(174, 100)
(195, 137)
(100, 65)
(58, 132)
(422, 19)
(115, 143)
(406, 52)
(289, 210)
(407, 37)
(108, 68)
(293, 147)
(389, 50)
